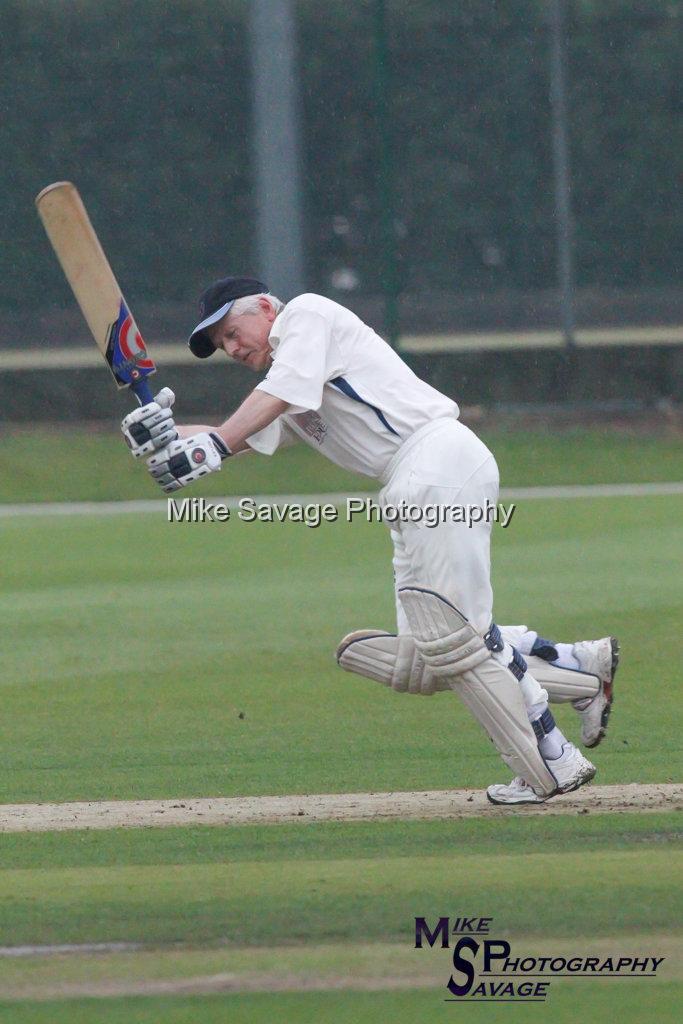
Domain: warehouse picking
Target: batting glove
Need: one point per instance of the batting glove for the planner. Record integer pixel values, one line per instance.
(150, 427)
(183, 462)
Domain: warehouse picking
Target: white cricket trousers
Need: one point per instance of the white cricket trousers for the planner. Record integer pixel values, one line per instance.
(446, 464)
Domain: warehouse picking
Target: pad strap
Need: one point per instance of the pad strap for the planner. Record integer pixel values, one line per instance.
(494, 639)
(518, 665)
(544, 649)
(543, 725)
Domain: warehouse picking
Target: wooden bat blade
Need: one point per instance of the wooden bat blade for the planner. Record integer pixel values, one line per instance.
(92, 281)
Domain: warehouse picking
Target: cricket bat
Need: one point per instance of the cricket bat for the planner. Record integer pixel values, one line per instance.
(95, 288)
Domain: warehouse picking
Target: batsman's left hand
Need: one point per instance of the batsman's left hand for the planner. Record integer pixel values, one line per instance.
(185, 461)
(150, 427)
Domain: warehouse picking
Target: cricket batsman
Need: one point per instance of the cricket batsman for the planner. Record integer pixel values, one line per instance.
(332, 383)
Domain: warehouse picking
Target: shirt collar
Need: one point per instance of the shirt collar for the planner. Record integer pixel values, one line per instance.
(274, 335)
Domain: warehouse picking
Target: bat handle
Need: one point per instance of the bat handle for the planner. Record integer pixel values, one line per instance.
(142, 391)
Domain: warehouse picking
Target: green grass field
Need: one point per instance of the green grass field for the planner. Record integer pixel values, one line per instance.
(144, 659)
(69, 464)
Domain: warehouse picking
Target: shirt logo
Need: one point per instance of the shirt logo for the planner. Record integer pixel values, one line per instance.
(312, 425)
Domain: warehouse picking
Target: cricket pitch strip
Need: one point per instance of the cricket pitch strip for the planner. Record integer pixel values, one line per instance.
(273, 810)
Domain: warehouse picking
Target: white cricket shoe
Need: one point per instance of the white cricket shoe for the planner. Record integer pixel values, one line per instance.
(517, 792)
(571, 770)
(600, 658)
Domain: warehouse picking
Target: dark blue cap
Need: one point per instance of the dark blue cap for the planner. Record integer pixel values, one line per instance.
(215, 303)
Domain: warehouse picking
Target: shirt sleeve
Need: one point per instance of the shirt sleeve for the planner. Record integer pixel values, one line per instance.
(305, 358)
(276, 435)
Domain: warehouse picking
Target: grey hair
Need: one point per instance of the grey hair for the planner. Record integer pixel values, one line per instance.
(249, 304)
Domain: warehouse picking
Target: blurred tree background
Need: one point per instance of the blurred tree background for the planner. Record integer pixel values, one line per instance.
(146, 106)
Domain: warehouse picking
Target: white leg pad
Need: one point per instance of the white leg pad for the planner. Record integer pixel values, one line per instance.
(392, 660)
(454, 651)
(563, 684)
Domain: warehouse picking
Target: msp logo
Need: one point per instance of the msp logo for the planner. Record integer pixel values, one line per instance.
(486, 969)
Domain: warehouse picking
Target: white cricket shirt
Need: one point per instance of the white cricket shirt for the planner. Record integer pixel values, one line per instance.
(352, 397)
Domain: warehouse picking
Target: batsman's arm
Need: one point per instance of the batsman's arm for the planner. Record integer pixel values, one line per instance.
(201, 449)
(256, 412)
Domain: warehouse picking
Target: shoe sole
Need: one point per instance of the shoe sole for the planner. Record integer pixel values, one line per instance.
(608, 690)
(513, 803)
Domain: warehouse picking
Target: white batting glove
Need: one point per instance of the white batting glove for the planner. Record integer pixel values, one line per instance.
(185, 461)
(150, 427)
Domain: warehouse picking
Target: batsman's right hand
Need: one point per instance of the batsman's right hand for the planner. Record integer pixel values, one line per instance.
(150, 427)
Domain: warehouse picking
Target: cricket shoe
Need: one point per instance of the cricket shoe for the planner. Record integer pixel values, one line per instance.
(517, 792)
(600, 658)
(571, 770)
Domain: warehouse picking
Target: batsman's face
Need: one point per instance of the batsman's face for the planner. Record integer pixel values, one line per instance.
(245, 338)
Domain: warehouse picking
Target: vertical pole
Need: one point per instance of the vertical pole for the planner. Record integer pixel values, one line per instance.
(563, 213)
(384, 178)
(277, 148)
